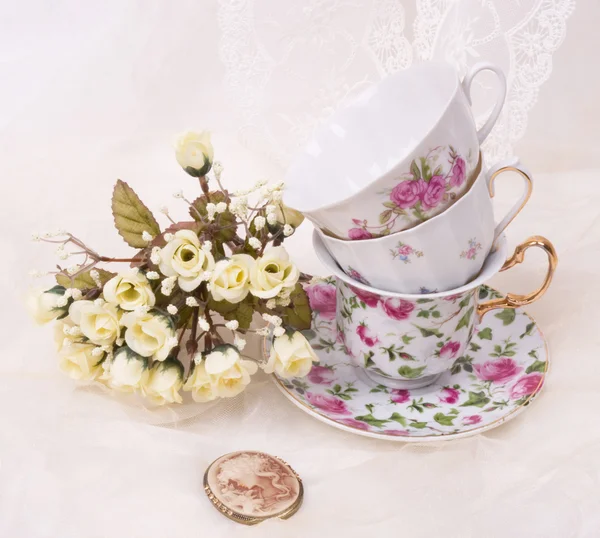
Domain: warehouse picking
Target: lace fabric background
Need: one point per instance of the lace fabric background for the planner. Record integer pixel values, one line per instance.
(96, 91)
(290, 64)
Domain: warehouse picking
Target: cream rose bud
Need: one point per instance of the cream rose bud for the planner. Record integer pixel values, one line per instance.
(149, 334)
(291, 356)
(129, 290)
(287, 215)
(194, 152)
(228, 372)
(164, 382)
(98, 322)
(127, 371)
(183, 257)
(78, 362)
(43, 306)
(199, 384)
(230, 278)
(273, 274)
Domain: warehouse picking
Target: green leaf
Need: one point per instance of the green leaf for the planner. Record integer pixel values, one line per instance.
(476, 399)
(397, 417)
(426, 169)
(226, 228)
(370, 419)
(414, 169)
(438, 171)
(474, 346)
(423, 314)
(436, 314)
(369, 360)
(132, 217)
(410, 373)
(385, 216)
(465, 300)
(407, 339)
(485, 334)
(444, 420)
(507, 315)
(298, 313)
(528, 330)
(418, 425)
(423, 301)
(243, 312)
(84, 281)
(390, 205)
(483, 292)
(465, 320)
(429, 332)
(537, 366)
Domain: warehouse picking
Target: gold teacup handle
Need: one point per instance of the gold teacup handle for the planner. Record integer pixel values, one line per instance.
(510, 165)
(513, 300)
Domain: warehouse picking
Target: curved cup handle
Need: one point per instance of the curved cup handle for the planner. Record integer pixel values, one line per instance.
(511, 165)
(513, 300)
(484, 131)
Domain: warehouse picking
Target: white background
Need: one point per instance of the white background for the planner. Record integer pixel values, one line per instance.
(94, 91)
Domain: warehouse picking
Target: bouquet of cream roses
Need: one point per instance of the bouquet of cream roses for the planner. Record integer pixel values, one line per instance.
(177, 317)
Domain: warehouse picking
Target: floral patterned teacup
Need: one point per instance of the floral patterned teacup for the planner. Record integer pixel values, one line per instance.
(398, 155)
(440, 254)
(407, 341)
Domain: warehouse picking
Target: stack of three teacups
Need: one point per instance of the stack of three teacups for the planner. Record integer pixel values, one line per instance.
(401, 199)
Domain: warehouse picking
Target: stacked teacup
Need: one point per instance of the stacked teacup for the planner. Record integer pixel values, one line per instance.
(401, 199)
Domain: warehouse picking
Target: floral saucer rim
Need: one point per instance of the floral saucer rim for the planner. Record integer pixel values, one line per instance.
(438, 437)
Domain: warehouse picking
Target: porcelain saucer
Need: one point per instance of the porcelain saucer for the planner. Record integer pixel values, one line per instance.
(500, 375)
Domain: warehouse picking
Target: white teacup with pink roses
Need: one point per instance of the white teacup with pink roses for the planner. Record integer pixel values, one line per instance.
(406, 341)
(441, 254)
(399, 154)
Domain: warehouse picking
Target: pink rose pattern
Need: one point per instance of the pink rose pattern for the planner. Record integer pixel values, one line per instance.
(458, 172)
(498, 371)
(502, 384)
(397, 308)
(367, 337)
(471, 252)
(418, 193)
(449, 350)
(527, 385)
(370, 299)
(404, 252)
(400, 395)
(321, 298)
(329, 404)
(321, 375)
(449, 395)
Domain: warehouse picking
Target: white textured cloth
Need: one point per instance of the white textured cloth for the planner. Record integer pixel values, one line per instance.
(95, 98)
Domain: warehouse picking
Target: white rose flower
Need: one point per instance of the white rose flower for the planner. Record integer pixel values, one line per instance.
(164, 382)
(229, 373)
(44, 306)
(200, 385)
(98, 322)
(127, 371)
(291, 356)
(62, 334)
(184, 258)
(287, 215)
(273, 274)
(129, 291)
(230, 278)
(149, 334)
(78, 362)
(194, 152)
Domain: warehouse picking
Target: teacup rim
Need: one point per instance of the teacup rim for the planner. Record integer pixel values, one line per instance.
(389, 168)
(488, 270)
(481, 171)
